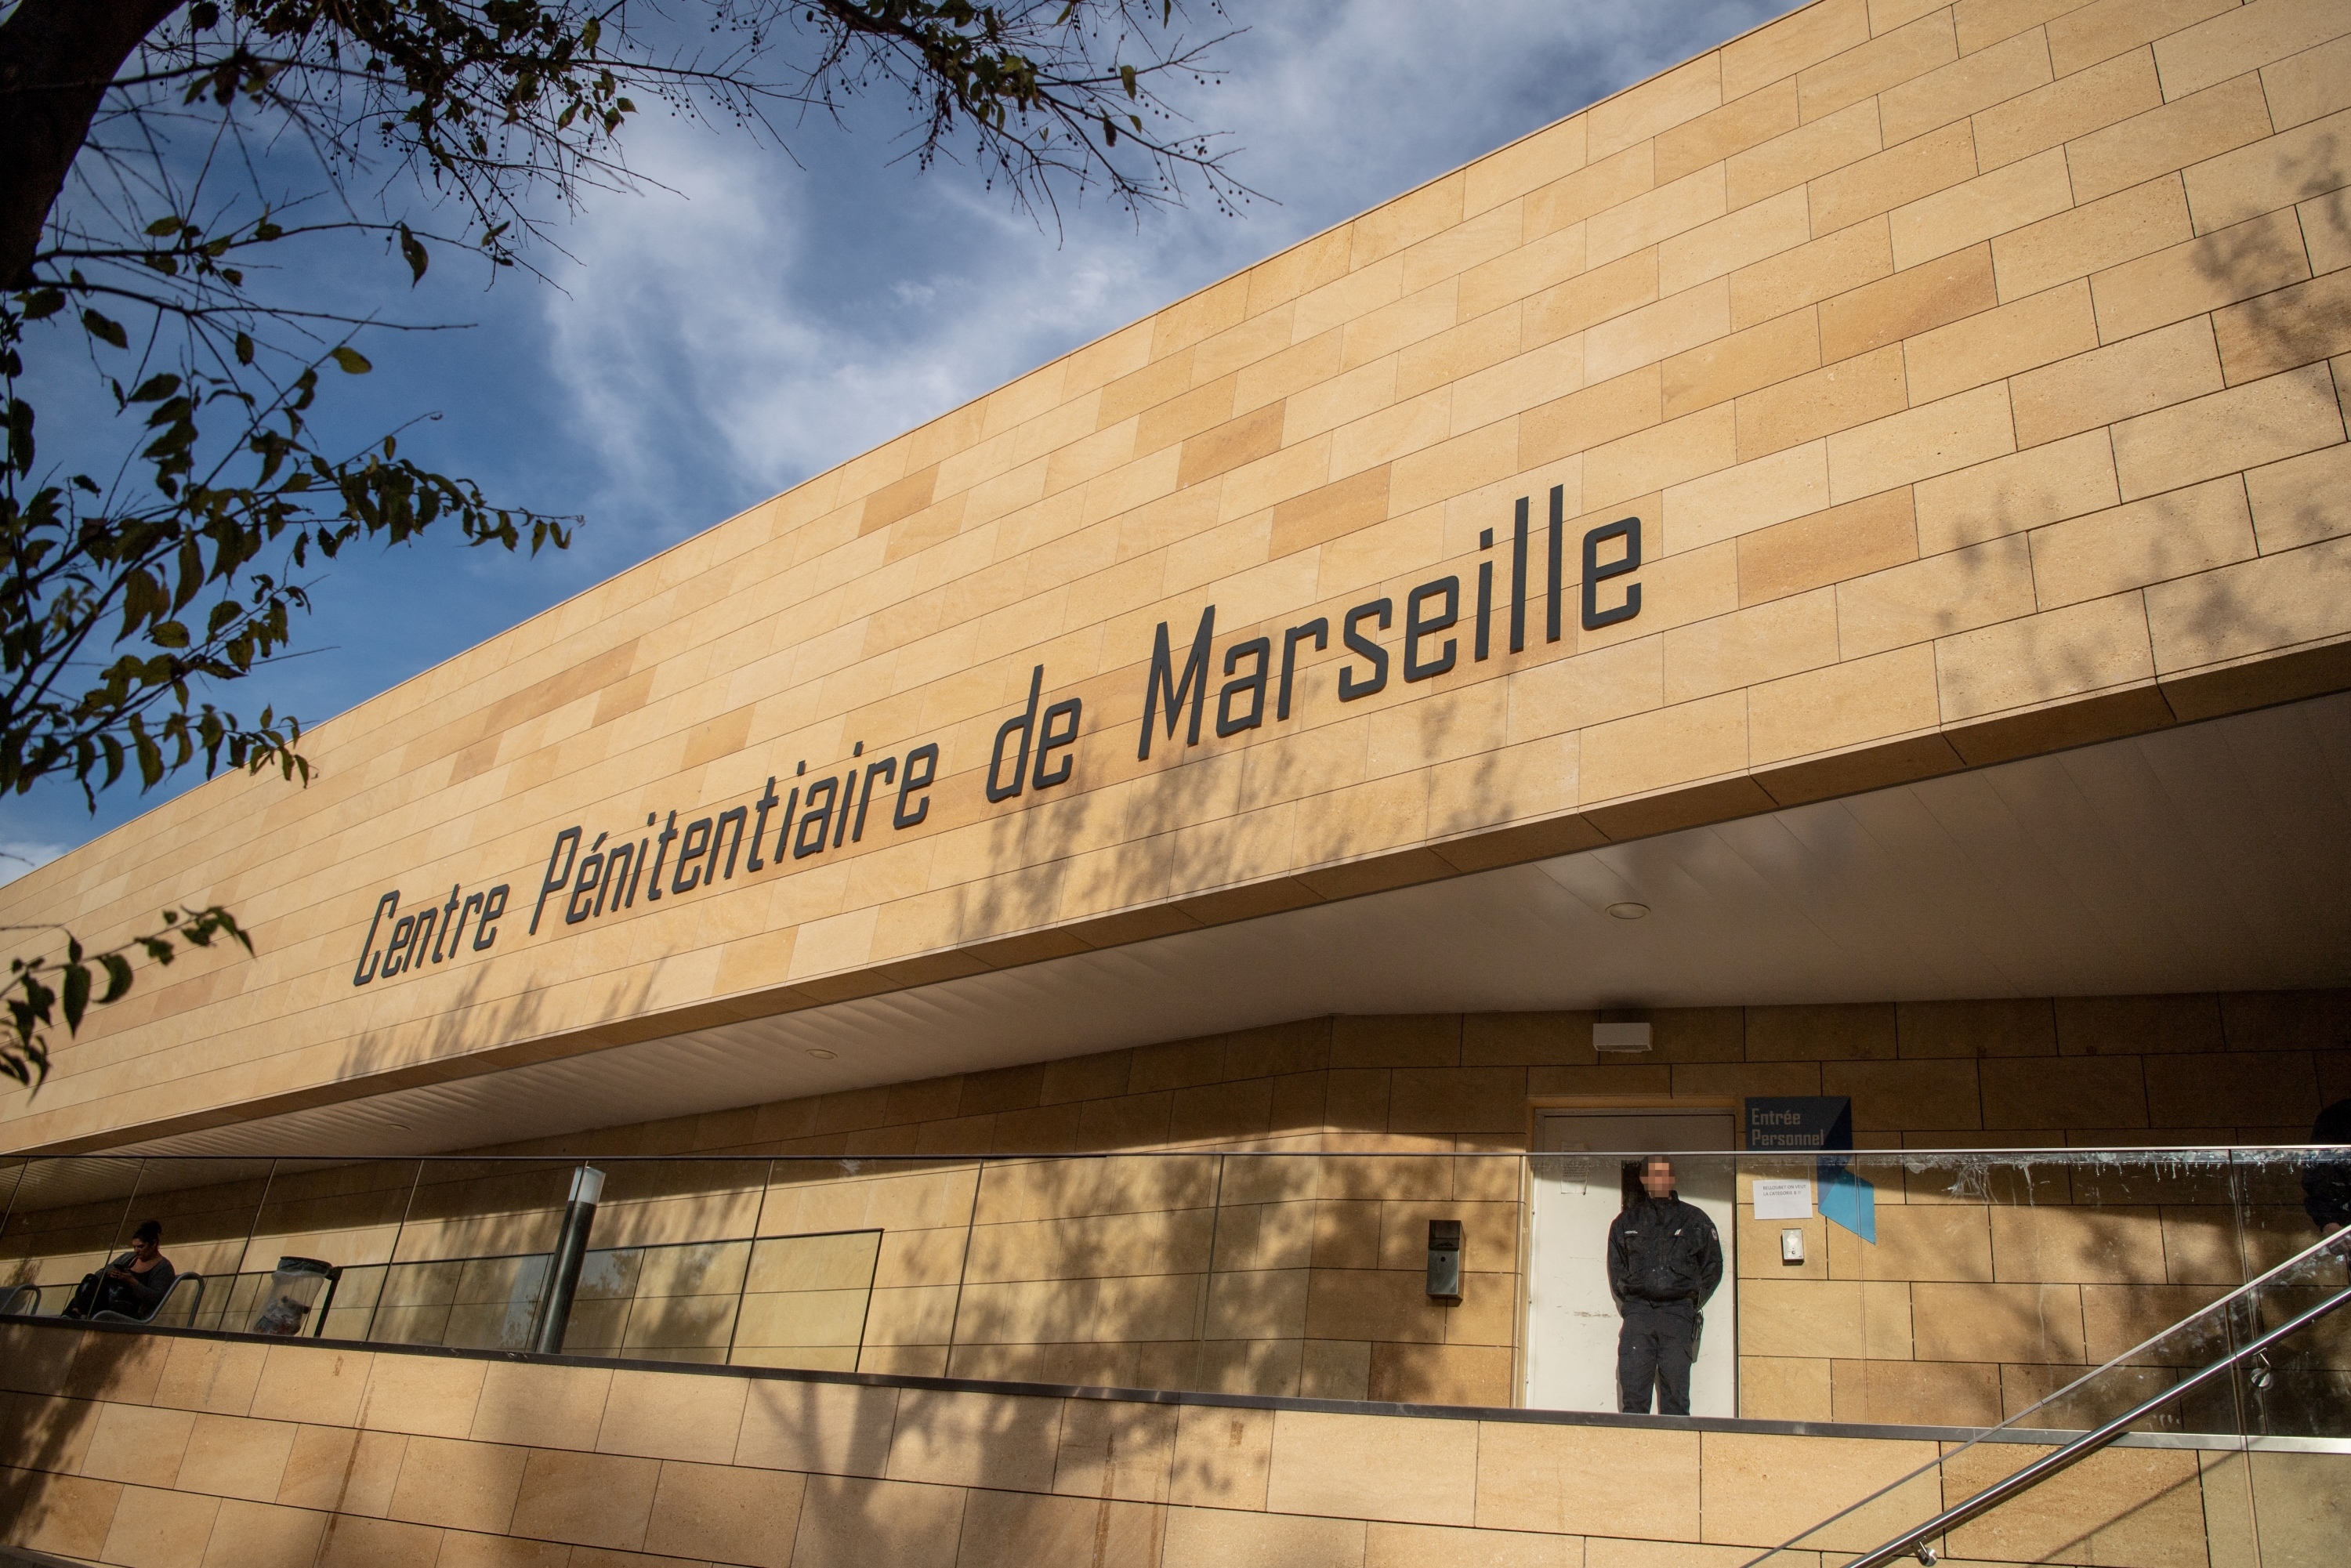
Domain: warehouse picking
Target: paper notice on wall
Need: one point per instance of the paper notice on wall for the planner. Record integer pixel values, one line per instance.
(1784, 1199)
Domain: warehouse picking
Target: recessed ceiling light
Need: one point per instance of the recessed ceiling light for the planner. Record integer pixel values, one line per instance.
(1629, 911)
(820, 1053)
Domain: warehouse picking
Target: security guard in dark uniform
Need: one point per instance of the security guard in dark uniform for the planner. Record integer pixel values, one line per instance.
(1664, 1261)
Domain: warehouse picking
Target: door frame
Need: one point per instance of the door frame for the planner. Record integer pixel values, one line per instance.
(1522, 1323)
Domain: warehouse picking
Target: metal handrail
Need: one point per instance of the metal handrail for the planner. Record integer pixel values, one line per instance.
(1913, 1541)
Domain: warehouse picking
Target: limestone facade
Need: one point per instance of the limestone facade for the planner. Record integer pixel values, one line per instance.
(185, 1452)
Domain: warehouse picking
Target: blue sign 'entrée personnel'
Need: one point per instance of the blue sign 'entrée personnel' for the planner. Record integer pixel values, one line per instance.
(1664, 1262)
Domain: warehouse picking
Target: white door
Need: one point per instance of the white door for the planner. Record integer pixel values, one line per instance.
(1571, 1320)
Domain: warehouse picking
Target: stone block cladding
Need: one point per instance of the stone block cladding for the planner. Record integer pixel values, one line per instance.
(1978, 371)
(161, 1451)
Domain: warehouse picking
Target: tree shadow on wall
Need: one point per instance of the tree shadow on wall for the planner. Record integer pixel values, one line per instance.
(48, 1415)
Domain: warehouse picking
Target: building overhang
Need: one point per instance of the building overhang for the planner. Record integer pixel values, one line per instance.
(2208, 857)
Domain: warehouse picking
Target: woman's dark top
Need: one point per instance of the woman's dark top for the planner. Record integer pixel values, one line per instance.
(141, 1293)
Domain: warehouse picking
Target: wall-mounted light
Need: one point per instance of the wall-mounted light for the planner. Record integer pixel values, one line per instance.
(1629, 911)
(1445, 1262)
(1791, 1245)
(1620, 1037)
(820, 1053)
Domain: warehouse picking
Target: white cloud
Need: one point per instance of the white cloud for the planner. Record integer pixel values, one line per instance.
(18, 856)
(757, 321)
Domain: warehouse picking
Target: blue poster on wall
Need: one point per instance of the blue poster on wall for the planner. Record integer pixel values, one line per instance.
(1848, 1200)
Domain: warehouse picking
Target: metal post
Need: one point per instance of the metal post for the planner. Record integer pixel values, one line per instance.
(563, 1268)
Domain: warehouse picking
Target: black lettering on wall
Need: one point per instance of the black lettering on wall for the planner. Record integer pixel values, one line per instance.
(736, 816)
(485, 929)
(818, 817)
(1629, 530)
(588, 887)
(784, 834)
(1051, 738)
(1260, 650)
(1558, 562)
(696, 838)
(1351, 688)
(426, 919)
(395, 952)
(1518, 579)
(887, 769)
(472, 907)
(388, 905)
(1414, 628)
(1161, 681)
(1319, 630)
(620, 874)
(448, 914)
(1484, 645)
(766, 802)
(661, 853)
(849, 793)
(567, 850)
(928, 756)
(1027, 725)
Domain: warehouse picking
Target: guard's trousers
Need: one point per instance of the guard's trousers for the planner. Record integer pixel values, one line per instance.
(1654, 1351)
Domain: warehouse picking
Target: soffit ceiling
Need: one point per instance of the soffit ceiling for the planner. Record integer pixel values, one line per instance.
(2206, 857)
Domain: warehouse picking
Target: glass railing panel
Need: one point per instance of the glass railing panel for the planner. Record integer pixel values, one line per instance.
(651, 1203)
(1088, 1270)
(485, 1208)
(923, 1209)
(1255, 1326)
(1319, 1286)
(413, 1302)
(208, 1209)
(808, 1299)
(68, 1217)
(1957, 1290)
(687, 1300)
(2300, 1388)
(2127, 1503)
(598, 1323)
(345, 1214)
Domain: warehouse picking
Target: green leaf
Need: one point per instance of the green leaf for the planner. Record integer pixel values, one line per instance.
(105, 330)
(163, 228)
(349, 360)
(1127, 75)
(243, 350)
(412, 251)
(155, 389)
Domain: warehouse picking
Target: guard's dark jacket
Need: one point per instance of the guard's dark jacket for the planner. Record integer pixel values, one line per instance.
(1663, 1250)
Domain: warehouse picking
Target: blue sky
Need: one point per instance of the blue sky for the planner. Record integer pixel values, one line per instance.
(748, 318)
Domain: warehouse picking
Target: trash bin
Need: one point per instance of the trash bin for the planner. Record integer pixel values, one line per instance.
(299, 1287)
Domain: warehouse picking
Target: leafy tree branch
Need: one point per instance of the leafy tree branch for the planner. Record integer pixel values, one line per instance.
(38, 987)
(180, 176)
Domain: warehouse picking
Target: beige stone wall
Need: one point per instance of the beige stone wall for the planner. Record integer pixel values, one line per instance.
(1280, 1251)
(1969, 366)
(162, 1452)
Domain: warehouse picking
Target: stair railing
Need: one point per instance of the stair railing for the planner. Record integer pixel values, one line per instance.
(1915, 1542)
